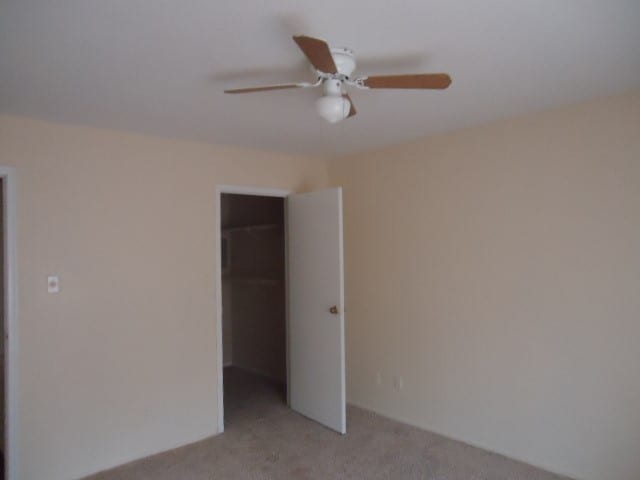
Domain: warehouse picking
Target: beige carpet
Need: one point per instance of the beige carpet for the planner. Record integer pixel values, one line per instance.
(263, 439)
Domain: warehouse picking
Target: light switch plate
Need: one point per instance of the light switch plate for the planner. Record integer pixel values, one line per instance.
(53, 284)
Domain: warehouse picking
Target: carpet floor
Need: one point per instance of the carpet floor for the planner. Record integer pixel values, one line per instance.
(264, 439)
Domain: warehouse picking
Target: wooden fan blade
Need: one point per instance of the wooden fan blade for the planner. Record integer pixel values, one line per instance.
(352, 110)
(318, 53)
(264, 89)
(420, 80)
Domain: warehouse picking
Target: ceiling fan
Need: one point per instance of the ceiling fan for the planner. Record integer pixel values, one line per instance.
(334, 67)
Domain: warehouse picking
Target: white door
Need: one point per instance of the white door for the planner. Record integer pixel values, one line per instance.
(316, 307)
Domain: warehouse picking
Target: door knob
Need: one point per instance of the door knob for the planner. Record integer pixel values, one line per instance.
(334, 310)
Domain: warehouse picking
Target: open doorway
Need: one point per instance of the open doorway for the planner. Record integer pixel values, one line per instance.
(253, 288)
(296, 349)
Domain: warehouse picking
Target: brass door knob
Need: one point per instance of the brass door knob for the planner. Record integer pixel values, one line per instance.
(334, 310)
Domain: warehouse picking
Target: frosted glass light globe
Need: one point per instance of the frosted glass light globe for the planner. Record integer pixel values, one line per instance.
(333, 108)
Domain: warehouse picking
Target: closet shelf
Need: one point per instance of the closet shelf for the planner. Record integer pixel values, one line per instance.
(252, 228)
(254, 280)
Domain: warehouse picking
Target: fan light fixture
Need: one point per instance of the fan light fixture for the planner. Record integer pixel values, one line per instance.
(333, 108)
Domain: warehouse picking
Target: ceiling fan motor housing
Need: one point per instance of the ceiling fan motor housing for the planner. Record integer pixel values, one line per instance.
(345, 64)
(332, 86)
(344, 59)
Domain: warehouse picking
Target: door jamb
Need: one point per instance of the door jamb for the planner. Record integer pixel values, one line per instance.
(239, 190)
(10, 327)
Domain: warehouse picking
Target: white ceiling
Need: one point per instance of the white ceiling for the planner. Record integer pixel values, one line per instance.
(159, 66)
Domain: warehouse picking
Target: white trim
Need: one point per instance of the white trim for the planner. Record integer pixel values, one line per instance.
(238, 190)
(8, 175)
(286, 299)
(343, 373)
(248, 190)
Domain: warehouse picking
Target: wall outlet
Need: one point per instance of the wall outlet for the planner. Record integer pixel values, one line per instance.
(378, 379)
(398, 382)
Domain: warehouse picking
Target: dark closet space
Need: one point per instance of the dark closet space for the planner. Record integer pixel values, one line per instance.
(253, 304)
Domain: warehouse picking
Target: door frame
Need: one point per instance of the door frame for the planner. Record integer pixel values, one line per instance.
(240, 190)
(10, 294)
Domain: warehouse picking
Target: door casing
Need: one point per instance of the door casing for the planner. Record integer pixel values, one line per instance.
(10, 299)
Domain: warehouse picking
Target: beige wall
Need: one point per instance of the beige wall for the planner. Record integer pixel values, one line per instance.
(122, 362)
(495, 269)
(498, 271)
